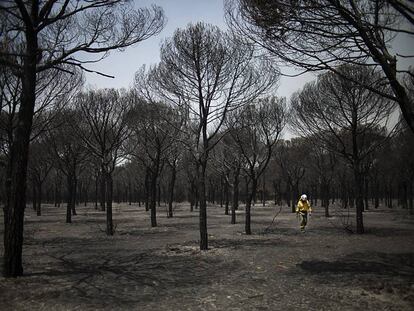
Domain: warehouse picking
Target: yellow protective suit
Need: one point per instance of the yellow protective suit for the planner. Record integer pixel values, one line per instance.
(303, 207)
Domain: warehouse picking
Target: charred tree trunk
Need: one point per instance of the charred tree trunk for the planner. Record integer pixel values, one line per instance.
(288, 194)
(203, 204)
(96, 191)
(171, 190)
(129, 193)
(248, 206)
(158, 192)
(376, 195)
(295, 196)
(410, 200)
(264, 190)
(226, 196)
(192, 196)
(16, 175)
(85, 195)
(70, 199)
(109, 193)
(246, 189)
(235, 202)
(222, 190)
(103, 186)
(147, 188)
(325, 196)
(390, 195)
(153, 198)
(55, 194)
(74, 194)
(201, 170)
(366, 186)
(359, 199)
(34, 195)
(404, 194)
(197, 198)
(39, 199)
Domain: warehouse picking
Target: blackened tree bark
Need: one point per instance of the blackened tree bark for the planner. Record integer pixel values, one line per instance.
(74, 194)
(96, 175)
(256, 130)
(147, 188)
(291, 156)
(153, 197)
(71, 197)
(206, 74)
(226, 194)
(102, 188)
(68, 153)
(346, 119)
(235, 201)
(264, 189)
(17, 166)
(203, 200)
(32, 25)
(34, 196)
(318, 35)
(109, 194)
(102, 127)
(155, 127)
(129, 192)
(173, 167)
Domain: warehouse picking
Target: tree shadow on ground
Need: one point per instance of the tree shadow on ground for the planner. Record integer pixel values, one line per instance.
(249, 243)
(57, 241)
(292, 231)
(122, 280)
(42, 220)
(365, 263)
(158, 231)
(381, 274)
(388, 232)
(182, 225)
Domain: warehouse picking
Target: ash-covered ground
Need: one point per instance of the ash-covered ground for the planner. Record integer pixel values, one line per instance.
(77, 267)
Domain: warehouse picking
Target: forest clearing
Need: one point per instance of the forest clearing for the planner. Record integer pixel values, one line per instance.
(78, 267)
(207, 155)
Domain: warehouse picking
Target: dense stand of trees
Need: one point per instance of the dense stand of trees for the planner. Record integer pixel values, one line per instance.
(345, 118)
(202, 126)
(322, 174)
(298, 165)
(206, 73)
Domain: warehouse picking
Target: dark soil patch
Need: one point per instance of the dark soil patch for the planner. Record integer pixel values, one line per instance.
(77, 267)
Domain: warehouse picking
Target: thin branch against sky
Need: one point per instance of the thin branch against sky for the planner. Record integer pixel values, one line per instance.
(179, 14)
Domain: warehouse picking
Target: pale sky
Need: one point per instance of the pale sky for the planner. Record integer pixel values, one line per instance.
(179, 13)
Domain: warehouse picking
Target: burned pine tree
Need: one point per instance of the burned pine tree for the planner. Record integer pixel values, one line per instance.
(207, 73)
(40, 36)
(174, 162)
(40, 165)
(155, 127)
(344, 117)
(228, 161)
(256, 129)
(290, 156)
(319, 35)
(69, 154)
(102, 126)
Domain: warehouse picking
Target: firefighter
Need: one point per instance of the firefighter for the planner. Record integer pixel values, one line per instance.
(303, 208)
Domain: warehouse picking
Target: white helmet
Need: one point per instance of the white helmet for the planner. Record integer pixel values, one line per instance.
(303, 197)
